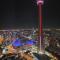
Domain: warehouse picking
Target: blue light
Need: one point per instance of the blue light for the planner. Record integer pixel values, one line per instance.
(17, 43)
(30, 42)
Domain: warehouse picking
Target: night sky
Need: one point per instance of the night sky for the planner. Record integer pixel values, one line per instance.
(24, 13)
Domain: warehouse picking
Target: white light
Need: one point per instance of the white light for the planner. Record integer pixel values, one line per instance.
(40, 2)
(41, 52)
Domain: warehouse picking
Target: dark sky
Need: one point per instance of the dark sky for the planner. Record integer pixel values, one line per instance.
(24, 13)
(51, 14)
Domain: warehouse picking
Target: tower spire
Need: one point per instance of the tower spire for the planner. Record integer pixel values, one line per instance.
(41, 42)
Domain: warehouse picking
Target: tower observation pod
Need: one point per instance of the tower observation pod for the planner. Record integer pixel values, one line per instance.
(40, 41)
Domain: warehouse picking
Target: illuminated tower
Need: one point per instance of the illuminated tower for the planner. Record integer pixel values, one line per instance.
(41, 42)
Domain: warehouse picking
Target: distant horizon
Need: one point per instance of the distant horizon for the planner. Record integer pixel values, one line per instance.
(28, 28)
